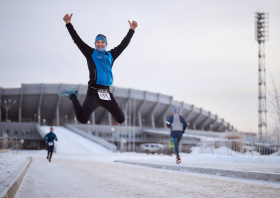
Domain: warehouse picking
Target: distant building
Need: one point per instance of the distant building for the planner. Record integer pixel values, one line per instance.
(146, 113)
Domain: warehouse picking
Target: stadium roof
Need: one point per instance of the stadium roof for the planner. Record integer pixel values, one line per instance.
(36, 102)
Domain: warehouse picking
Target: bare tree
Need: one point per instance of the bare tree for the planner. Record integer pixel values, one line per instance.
(274, 106)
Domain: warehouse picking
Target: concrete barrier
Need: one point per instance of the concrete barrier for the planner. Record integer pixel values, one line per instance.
(211, 171)
(9, 186)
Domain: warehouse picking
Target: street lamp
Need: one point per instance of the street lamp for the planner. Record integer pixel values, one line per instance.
(44, 120)
(112, 129)
(66, 116)
(88, 125)
(7, 106)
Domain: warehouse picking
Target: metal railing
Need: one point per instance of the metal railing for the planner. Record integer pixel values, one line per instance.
(253, 146)
(10, 145)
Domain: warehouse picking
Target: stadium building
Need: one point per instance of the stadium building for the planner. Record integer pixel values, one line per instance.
(145, 112)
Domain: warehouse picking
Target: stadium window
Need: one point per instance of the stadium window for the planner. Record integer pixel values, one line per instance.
(16, 132)
(11, 131)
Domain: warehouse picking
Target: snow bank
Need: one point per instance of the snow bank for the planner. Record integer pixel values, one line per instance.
(220, 154)
(72, 143)
(9, 159)
(10, 162)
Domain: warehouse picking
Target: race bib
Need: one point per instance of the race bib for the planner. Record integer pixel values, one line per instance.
(103, 94)
(50, 143)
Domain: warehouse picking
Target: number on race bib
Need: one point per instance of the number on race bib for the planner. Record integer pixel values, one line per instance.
(104, 95)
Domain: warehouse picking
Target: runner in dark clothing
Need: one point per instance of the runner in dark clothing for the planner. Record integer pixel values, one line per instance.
(178, 125)
(100, 63)
(49, 138)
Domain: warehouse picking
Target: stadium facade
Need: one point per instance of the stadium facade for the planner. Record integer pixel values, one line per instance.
(146, 113)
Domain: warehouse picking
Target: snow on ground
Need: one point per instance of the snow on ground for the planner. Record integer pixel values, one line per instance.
(9, 163)
(220, 154)
(96, 175)
(72, 143)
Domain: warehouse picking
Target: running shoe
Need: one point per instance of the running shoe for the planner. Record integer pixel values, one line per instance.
(68, 92)
(47, 157)
(178, 160)
(49, 160)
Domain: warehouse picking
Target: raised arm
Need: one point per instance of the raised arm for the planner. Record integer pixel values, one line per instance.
(119, 49)
(85, 49)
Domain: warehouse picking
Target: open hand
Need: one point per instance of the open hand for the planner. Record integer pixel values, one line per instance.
(67, 18)
(133, 25)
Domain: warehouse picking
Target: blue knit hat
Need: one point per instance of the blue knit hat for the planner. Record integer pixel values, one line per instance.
(175, 109)
(101, 37)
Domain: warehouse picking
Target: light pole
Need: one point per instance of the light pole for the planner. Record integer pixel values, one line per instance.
(113, 129)
(66, 116)
(88, 125)
(44, 120)
(261, 35)
(7, 106)
(134, 117)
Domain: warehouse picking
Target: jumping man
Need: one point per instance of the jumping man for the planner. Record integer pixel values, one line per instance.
(100, 63)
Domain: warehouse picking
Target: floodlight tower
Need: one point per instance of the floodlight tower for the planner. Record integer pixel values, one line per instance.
(261, 35)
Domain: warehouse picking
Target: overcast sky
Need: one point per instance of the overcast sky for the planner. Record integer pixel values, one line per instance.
(202, 52)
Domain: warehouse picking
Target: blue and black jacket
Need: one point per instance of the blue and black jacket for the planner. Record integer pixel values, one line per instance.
(178, 125)
(50, 137)
(99, 64)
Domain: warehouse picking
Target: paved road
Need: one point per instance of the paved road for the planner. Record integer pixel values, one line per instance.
(71, 176)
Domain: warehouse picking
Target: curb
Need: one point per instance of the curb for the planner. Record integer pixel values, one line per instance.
(10, 186)
(212, 171)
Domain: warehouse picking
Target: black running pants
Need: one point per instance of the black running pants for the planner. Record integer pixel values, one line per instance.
(50, 151)
(93, 101)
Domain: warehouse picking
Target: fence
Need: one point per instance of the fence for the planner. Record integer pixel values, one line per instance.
(10, 145)
(254, 146)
